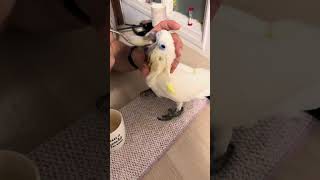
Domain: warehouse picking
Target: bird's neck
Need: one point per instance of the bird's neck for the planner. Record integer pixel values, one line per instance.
(155, 72)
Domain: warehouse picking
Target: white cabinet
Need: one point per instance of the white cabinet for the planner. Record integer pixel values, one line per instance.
(196, 36)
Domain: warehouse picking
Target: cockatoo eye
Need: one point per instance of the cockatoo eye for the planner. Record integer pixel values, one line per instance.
(162, 46)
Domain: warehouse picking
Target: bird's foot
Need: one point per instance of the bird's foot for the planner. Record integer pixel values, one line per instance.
(172, 113)
(148, 93)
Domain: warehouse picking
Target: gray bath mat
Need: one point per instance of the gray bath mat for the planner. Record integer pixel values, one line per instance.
(148, 138)
(259, 149)
(78, 152)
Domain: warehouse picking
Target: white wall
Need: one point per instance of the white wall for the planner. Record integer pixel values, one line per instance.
(131, 15)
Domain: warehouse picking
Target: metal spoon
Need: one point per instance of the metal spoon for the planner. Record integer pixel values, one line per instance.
(135, 40)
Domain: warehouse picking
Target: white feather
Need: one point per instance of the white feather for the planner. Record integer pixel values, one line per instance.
(186, 83)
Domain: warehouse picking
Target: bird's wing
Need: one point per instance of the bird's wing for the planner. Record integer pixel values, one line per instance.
(190, 83)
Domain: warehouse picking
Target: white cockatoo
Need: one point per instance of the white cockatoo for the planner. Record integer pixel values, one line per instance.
(183, 85)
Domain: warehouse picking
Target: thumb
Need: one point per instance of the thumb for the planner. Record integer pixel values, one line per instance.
(145, 70)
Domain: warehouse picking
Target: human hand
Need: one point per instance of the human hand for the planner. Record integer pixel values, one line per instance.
(112, 58)
(168, 25)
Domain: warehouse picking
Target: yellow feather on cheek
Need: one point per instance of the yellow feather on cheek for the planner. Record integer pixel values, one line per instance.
(170, 88)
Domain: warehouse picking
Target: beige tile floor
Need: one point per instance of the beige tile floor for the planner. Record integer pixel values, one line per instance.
(189, 157)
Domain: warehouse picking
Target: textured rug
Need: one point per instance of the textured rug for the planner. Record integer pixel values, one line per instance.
(78, 152)
(148, 138)
(259, 149)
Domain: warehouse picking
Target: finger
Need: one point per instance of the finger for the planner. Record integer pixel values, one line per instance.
(178, 53)
(178, 50)
(166, 25)
(177, 41)
(174, 65)
(145, 70)
(178, 44)
(111, 37)
(112, 61)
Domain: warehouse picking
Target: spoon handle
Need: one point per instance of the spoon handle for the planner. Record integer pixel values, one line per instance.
(122, 35)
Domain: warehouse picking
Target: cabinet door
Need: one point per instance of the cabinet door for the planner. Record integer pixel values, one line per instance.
(117, 12)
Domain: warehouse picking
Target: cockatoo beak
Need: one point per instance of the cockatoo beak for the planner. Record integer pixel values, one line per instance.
(150, 48)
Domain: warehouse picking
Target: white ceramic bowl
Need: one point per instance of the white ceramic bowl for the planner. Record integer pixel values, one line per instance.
(118, 135)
